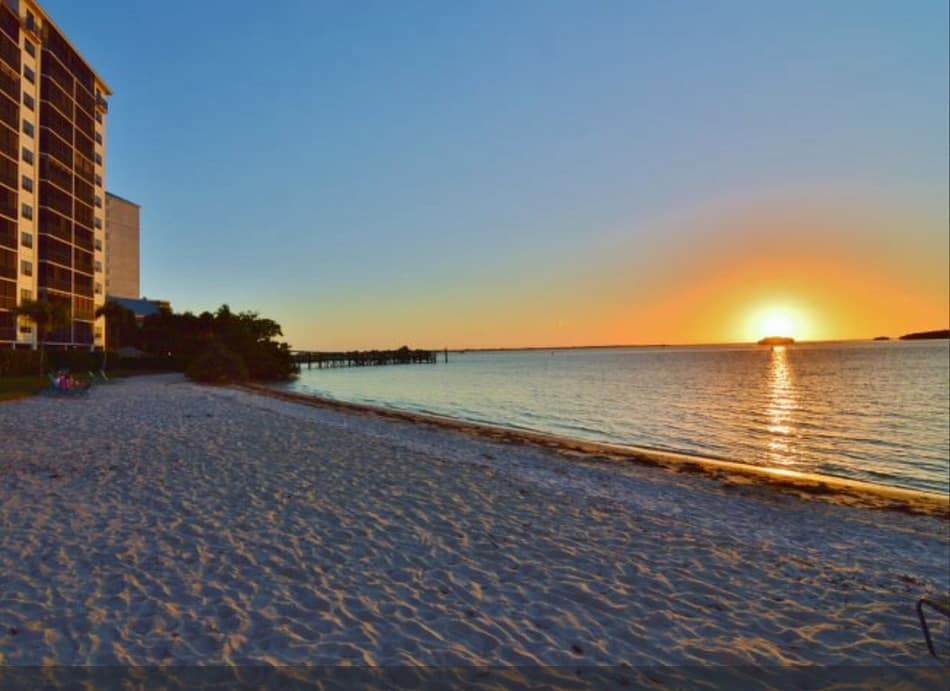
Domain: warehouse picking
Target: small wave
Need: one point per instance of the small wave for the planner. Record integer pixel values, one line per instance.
(847, 408)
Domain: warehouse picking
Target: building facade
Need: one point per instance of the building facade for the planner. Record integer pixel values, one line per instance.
(122, 247)
(53, 113)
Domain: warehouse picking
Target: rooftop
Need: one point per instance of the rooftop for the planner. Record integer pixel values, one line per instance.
(44, 19)
(122, 199)
(140, 307)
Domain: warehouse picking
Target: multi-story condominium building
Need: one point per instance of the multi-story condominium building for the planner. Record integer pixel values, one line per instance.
(122, 247)
(52, 169)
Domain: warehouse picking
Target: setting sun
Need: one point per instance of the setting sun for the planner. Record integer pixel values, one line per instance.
(778, 324)
(776, 320)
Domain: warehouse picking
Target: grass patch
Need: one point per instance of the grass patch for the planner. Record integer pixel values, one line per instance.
(13, 388)
(125, 373)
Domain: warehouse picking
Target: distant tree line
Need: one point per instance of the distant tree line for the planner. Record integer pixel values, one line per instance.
(926, 335)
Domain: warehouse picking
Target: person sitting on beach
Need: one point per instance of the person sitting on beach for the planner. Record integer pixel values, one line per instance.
(66, 382)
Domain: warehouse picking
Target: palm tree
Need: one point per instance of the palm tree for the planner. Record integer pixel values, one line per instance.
(117, 318)
(47, 317)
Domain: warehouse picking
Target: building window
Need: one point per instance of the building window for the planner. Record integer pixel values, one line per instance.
(26, 239)
(98, 223)
(26, 268)
(98, 138)
(29, 102)
(27, 211)
(25, 294)
(27, 184)
(26, 326)
(98, 244)
(99, 118)
(98, 202)
(29, 74)
(30, 48)
(98, 159)
(98, 267)
(27, 156)
(28, 128)
(98, 289)
(99, 180)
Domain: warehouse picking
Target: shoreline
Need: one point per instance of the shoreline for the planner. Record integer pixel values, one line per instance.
(159, 522)
(827, 488)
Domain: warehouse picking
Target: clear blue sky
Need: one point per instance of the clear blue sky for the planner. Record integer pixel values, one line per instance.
(347, 165)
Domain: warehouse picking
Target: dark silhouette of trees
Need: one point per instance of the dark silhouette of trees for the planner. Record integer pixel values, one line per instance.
(246, 335)
(47, 317)
(121, 327)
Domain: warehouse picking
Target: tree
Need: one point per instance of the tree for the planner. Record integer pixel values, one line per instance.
(243, 336)
(246, 335)
(46, 317)
(119, 321)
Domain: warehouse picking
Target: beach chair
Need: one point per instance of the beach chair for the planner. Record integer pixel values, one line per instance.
(941, 606)
(53, 388)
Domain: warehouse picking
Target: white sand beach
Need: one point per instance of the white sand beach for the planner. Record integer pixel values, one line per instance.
(159, 522)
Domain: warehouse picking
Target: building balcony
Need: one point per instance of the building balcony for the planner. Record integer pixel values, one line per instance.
(32, 27)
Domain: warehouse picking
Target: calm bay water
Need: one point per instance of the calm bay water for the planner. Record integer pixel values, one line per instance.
(877, 412)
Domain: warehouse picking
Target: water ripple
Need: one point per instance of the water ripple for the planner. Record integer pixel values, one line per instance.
(869, 411)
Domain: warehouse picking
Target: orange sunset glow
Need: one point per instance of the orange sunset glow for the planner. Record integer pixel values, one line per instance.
(777, 320)
(792, 267)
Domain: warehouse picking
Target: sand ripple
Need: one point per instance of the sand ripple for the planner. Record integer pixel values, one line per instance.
(160, 522)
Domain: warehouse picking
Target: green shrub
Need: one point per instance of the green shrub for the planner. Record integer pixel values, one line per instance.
(26, 363)
(19, 363)
(78, 361)
(269, 361)
(217, 365)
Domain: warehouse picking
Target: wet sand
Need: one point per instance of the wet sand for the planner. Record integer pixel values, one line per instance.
(158, 522)
(826, 488)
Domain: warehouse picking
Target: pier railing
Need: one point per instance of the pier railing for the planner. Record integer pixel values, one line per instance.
(363, 358)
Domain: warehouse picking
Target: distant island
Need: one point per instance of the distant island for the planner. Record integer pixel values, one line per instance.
(776, 340)
(923, 335)
(882, 338)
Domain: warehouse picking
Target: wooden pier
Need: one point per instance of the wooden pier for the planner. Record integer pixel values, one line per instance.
(364, 358)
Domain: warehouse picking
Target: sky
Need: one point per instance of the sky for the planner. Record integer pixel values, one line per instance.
(502, 174)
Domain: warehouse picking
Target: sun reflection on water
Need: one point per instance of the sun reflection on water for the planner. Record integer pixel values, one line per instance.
(781, 406)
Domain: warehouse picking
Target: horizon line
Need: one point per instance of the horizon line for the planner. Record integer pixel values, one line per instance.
(617, 346)
(698, 344)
